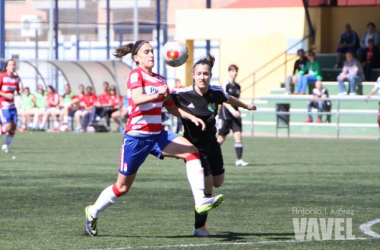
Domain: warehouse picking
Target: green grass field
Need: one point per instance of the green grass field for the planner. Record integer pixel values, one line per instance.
(45, 189)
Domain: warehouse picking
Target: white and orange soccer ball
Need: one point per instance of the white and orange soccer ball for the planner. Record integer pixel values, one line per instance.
(175, 53)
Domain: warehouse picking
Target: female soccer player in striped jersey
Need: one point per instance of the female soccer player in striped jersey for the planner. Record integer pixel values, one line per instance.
(202, 100)
(9, 84)
(144, 135)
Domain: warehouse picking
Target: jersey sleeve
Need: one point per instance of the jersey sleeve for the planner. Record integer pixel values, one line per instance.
(135, 80)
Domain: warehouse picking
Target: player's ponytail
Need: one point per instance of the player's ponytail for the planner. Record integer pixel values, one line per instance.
(123, 50)
(208, 60)
(132, 48)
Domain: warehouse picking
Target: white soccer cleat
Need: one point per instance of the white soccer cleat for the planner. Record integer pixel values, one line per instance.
(202, 232)
(241, 163)
(4, 148)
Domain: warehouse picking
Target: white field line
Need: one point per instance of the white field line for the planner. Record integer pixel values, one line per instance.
(366, 228)
(223, 244)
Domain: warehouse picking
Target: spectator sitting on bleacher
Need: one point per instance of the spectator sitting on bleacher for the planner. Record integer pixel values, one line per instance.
(124, 115)
(352, 72)
(67, 106)
(80, 107)
(102, 106)
(308, 75)
(299, 64)
(370, 59)
(371, 33)
(349, 41)
(52, 109)
(318, 92)
(25, 109)
(89, 101)
(116, 102)
(39, 107)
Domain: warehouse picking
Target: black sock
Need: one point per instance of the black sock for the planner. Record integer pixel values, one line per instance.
(239, 150)
(200, 219)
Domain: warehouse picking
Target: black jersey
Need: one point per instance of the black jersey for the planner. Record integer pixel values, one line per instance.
(233, 90)
(204, 107)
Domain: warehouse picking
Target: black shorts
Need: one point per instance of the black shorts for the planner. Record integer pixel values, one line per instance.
(226, 125)
(212, 159)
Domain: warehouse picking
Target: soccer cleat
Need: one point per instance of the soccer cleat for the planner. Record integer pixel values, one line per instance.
(319, 120)
(209, 203)
(241, 163)
(202, 232)
(5, 149)
(91, 223)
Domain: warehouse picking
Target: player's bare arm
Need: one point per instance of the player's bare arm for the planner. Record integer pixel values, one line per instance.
(236, 102)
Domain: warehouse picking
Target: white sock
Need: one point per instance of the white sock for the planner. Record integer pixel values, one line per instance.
(56, 124)
(65, 119)
(195, 176)
(105, 199)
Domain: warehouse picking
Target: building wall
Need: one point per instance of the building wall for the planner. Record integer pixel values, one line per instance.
(248, 37)
(329, 23)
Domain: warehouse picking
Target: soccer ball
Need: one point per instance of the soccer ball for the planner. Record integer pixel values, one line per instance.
(174, 53)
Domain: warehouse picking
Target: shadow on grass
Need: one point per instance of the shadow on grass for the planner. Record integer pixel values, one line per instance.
(224, 236)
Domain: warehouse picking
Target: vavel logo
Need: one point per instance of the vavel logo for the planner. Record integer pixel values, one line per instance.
(323, 228)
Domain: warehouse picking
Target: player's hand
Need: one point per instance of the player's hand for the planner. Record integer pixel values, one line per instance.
(162, 91)
(198, 122)
(236, 114)
(251, 107)
(366, 99)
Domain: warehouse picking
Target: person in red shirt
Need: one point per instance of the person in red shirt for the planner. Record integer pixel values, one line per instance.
(9, 85)
(52, 109)
(102, 106)
(79, 106)
(370, 59)
(144, 135)
(88, 102)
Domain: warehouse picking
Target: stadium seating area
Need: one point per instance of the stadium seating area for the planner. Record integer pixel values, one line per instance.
(349, 124)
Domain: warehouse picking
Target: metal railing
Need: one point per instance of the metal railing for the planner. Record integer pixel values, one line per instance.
(266, 65)
(337, 112)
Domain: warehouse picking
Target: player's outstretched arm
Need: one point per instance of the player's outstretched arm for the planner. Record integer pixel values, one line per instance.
(180, 113)
(373, 90)
(236, 102)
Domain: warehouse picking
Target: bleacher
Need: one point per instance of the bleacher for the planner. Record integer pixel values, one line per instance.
(357, 118)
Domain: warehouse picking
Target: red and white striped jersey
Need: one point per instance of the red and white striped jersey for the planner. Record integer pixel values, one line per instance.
(8, 85)
(146, 118)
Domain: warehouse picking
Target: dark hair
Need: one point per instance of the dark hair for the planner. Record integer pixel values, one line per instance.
(371, 24)
(6, 65)
(301, 50)
(27, 88)
(233, 67)
(51, 87)
(132, 48)
(371, 40)
(207, 60)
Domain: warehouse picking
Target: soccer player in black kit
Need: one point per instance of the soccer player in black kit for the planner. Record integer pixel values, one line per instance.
(229, 116)
(202, 100)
